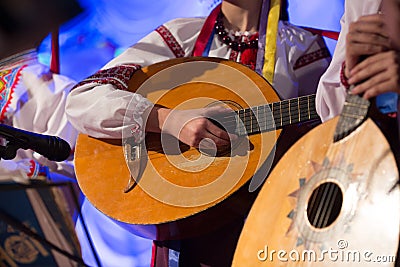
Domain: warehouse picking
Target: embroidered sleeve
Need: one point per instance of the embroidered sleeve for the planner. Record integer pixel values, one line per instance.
(171, 41)
(98, 105)
(312, 57)
(117, 76)
(9, 78)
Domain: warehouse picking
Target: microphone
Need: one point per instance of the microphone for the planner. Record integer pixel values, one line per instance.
(52, 147)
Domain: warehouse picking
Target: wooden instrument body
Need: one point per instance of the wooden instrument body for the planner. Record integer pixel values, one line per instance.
(366, 231)
(188, 184)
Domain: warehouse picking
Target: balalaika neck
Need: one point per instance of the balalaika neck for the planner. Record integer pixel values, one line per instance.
(354, 113)
(275, 115)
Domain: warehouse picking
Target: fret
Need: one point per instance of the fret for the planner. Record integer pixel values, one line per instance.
(240, 125)
(298, 108)
(355, 111)
(251, 121)
(357, 106)
(244, 121)
(269, 118)
(285, 113)
(256, 122)
(259, 121)
(352, 116)
(294, 110)
(261, 118)
(304, 113)
(307, 108)
(248, 121)
(290, 111)
(275, 115)
(312, 111)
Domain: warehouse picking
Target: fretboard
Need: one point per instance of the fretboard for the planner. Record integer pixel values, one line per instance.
(275, 115)
(355, 111)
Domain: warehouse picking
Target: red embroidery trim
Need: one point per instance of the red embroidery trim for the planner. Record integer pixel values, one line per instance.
(33, 169)
(312, 57)
(8, 81)
(170, 40)
(117, 76)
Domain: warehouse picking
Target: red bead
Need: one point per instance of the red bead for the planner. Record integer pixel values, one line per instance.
(226, 40)
(219, 27)
(253, 43)
(234, 46)
(222, 33)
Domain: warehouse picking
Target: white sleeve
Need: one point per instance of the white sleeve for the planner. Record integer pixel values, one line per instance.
(99, 109)
(41, 109)
(331, 93)
(301, 57)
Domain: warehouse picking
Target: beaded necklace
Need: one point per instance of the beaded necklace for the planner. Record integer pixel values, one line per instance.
(223, 36)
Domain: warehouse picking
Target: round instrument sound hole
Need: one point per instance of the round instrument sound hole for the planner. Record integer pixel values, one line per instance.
(324, 205)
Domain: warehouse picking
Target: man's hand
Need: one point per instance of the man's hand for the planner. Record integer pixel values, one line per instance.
(379, 72)
(367, 36)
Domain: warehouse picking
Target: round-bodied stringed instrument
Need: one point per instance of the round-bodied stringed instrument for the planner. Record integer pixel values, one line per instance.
(174, 184)
(332, 200)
